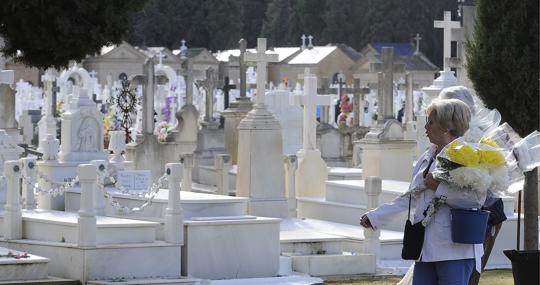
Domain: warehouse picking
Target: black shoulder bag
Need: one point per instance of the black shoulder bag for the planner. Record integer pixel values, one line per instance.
(413, 235)
(413, 238)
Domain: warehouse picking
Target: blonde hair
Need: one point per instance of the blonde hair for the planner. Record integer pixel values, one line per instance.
(451, 114)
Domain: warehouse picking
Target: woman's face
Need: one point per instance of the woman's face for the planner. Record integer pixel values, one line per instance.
(434, 131)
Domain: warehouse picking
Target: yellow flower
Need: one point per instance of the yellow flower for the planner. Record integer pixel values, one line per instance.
(489, 142)
(491, 158)
(462, 154)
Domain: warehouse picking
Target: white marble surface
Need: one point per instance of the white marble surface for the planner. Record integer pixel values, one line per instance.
(106, 262)
(353, 192)
(225, 249)
(32, 267)
(344, 173)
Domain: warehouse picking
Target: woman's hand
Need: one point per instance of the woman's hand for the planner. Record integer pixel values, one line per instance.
(430, 182)
(365, 222)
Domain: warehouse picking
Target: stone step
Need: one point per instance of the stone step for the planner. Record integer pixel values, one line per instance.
(62, 227)
(334, 264)
(146, 281)
(47, 281)
(207, 175)
(17, 266)
(193, 204)
(352, 191)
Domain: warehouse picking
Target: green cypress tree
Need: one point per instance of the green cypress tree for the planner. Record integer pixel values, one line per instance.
(276, 26)
(503, 66)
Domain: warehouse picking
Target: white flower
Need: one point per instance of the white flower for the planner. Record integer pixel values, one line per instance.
(471, 177)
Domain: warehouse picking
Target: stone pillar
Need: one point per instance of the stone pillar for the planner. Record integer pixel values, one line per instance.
(223, 165)
(373, 189)
(291, 163)
(87, 219)
(12, 213)
(30, 173)
(99, 197)
(174, 219)
(187, 162)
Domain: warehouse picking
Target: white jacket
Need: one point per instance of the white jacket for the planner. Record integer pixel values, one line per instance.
(438, 245)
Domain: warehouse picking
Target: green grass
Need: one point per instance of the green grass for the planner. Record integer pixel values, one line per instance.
(489, 277)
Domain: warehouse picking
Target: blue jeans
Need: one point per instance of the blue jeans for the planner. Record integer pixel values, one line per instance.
(448, 272)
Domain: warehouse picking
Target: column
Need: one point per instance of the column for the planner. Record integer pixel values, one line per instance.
(291, 163)
(174, 219)
(99, 196)
(372, 186)
(12, 214)
(187, 162)
(223, 165)
(87, 219)
(30, 174)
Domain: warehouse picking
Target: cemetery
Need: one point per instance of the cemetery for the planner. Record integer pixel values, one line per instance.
(152, 165)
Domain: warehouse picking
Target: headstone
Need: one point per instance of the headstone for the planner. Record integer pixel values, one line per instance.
(47, 124)
(209, 85)
(386, 85)
(237, 109)
(187, 117)
(7, 104)
(260, 160)
(312, 172)
(289, 117)
(82, 131)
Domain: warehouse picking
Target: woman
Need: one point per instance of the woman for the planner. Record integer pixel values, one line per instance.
(441, 261)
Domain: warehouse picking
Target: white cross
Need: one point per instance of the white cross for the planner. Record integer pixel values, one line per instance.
(303, 37)
(417, 38)
(160, 55)
(447, 24)
(262, 59)
(7, 76)
(92, 73)
(310, 100)
(310, 43)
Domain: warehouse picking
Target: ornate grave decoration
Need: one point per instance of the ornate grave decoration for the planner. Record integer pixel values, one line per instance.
(125, 100)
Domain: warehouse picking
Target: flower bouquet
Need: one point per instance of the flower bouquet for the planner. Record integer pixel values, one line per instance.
(474, 167)
(162, 130)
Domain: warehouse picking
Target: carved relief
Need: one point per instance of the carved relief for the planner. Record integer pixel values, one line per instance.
(88, 136)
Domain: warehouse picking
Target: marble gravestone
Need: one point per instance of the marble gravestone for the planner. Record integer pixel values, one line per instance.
(7, 104)
(9, 150)
(260, 159)
(385, 152)
(237, 109)
(311, 173)
(289, 117)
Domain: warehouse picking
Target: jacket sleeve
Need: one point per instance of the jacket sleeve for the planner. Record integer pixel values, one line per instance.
(387, 212)
(459, 197)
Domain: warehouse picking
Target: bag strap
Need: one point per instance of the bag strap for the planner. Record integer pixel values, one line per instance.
(409, 214)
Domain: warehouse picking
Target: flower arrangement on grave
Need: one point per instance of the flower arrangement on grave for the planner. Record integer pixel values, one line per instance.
(59, 112)
(162, 130)
(168, 109)
(346, 107)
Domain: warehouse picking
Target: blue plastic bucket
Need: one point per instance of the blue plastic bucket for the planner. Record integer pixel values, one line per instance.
(469, 226)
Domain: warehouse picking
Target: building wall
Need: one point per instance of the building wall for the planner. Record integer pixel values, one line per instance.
(30, 74)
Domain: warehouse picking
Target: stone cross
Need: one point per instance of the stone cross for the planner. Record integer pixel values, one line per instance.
(447, 25)
(358, 102)
(310, 43)
(325, 90)
(92, 73)
(226, 88)
(189, 81)
(417, 38)
(303, 37)
(242, 68)
(262, 59)
(209, 85)
(310, 100)
(160, 55)
(385, 87)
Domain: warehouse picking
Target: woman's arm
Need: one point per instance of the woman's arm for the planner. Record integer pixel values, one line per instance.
(387, 212)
